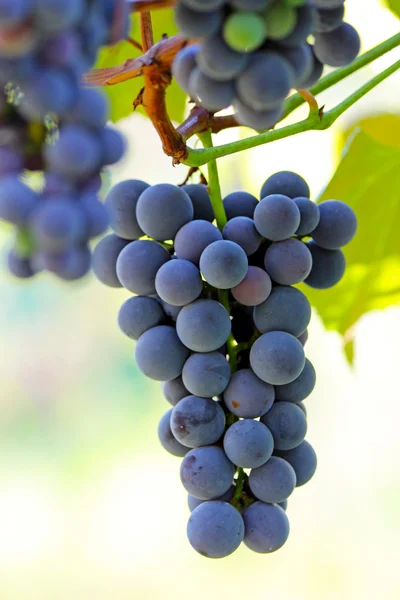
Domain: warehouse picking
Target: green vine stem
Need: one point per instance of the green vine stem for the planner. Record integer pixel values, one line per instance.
(214, 186)
(316, 122)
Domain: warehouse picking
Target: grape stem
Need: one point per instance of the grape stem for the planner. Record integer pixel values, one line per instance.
(315, 122)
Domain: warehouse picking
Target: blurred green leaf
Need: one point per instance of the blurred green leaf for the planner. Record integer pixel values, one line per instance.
(394, 6)
(367, 179)
(122, 95)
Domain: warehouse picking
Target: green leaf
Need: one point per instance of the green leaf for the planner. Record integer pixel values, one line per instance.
(368, 179)
(122, 95)
(394, 6)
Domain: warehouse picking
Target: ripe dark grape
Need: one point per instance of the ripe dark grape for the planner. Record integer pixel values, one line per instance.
(197, 421)
(206, 374)
(247, 396)
(254, 289)
(223, 264)
(285, 183)
(274, 481)
(174, 390)
(218, 61)
(276, 217)
(328, 267)
(178, 282)
(207, 472)
(242, 231)
(288, 262)
(337, 225)
(193, 24)
(138, 264)
(160, 354)
(300, 388)
(138, 314)
(168, 441)
(203, 326)
(339, 47)
(303, 460)
(193, 238)
(162, 210)
(215, 529)
(277, 358)
(248, 443)
(184, 63)
(104, 260)
(266, 527)
(121, 204)
(288, 425)
(239, 204)
(328, 19)
(309, 216)
(286, 309)
(213, 95)
(201, 201)
(195, 502)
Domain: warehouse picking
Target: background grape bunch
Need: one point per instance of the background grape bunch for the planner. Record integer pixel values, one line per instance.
(49, 122)
(251, 53)
(216, 318)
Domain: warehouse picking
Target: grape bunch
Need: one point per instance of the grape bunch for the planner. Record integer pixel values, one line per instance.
(251, 53)
(50, 123)
(217, 319)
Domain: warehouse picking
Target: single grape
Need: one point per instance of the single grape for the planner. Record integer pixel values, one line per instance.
(112, 145)
(201, 201)
(303, 460)
(11, 161)
(286, 309)
(138, 314)
(206, 472)
(91, 109)
(337, 225)
(193, 238)
(70, 265)
(266, 527)
(17, 201)
(328, 267)
(76, 153)
(304, 26)
(223, 264)
(18, 266)
(121, 204)
(162, 210)
(288, 262)
(215, 529)
(138, 263)
(244, 31)
(213, 95)
(339, 47)
(328, 19)
(257, 119)
(276, 217)
(57, 224)
(302, 407)
(247, 396)
(283, 505)
(248, 443)
(218, 61)
(280, 19)
(94, 214)
(50, 91)
(239, 204)
(316, 72)
(206, 374)
(104, 259)
(168, 441)
(195, 24)
(184, 63)
(301, 60)
(178, 282)
(309, 216)
(277, 357)
(300, 388)
(288, 425)
(159, 353)
(203, 326)
(197, 421)
(242, 231)
(285, 183)
(174, 390)
(274, 481)
(254, 289)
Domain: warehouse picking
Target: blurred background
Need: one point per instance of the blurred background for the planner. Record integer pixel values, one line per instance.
(91, 507)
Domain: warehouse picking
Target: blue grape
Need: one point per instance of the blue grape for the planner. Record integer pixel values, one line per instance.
(242, 231)
(303, 338)
(14, 12)
(286, 309)
(300, 388)
(90, 109)
(171, 311)
(288, 262)
(303, 460)
(195, 502)
(203, 326)
(112, 145)
(201, 201)
(288, 425)
(11, 162)
(138, 314)
(309, 216)
(265, 82)
(339, 47)
(316, 73)
(266, 527)
(248, 444)
(213, 95)
(195, 24)
(304, 26)
(302, 407)
(257, 119)
(239, 204)
(254, 289)
(17, 201)
(57, 224)
(285, 183)
(178, 282)
(276, 217)
(121, 204)
(104, 260)
(162, 210)
(218, 61)
(50, 91)
(283, 505)
(197, 421)
(328, 267)
(61, 51)
(223, 264)
(159, 353)
(95, 215)
(337, 225)
(76, 153)
(206, 472)
(248, 396)
(184, 63)
(193, 238)
(274, 481)
(71, 264)
(215, 529)
(18, 266)
(206, 374)
(328, 19)
(138, 263)
(168, 441)
(277, 357)
(56, 15)
(174, 390)
(301, 60)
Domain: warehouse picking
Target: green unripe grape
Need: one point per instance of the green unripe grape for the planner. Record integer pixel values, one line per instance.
(245, 31)
(294, 2)
(281, 20)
